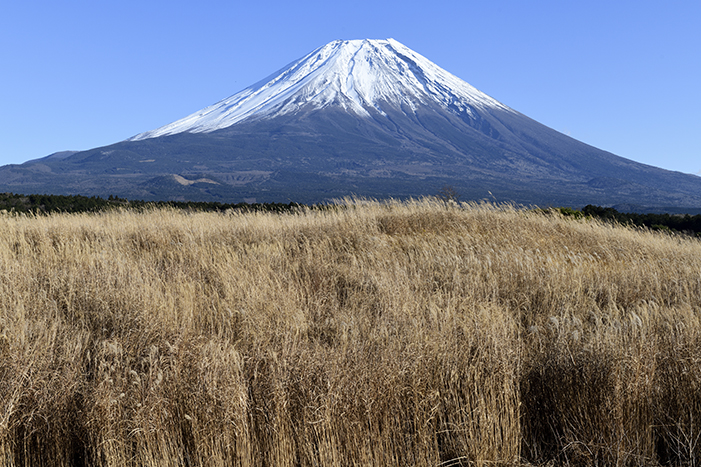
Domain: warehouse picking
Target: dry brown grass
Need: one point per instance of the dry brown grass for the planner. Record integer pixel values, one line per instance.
(418, 333)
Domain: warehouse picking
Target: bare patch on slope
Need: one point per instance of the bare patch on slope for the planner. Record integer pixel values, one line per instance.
(186, 182)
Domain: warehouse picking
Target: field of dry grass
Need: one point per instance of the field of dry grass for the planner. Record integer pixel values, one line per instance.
(395, 334)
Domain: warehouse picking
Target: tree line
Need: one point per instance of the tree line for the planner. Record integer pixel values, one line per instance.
(672, 223)
(46, 204)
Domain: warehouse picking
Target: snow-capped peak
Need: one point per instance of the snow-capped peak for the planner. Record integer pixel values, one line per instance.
(358, 75)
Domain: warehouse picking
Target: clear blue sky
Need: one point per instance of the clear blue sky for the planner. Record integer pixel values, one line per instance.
(624, 76)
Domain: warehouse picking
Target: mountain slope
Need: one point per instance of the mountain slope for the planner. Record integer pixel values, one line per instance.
(371, 118)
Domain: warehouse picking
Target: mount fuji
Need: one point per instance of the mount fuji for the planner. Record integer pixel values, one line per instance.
(365, 117)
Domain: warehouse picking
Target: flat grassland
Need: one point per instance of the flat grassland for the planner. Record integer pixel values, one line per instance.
(374, 334)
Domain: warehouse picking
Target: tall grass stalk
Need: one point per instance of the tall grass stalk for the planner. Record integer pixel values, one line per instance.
(419, 333)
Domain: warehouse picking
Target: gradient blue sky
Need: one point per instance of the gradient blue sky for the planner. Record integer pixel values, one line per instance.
(624, 76)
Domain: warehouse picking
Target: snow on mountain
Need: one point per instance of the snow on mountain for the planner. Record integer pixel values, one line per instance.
(358, 75)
